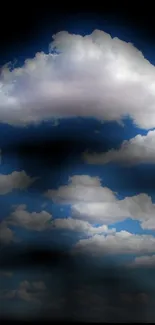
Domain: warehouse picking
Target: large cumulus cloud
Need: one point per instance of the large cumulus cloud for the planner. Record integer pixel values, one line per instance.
(95, 75)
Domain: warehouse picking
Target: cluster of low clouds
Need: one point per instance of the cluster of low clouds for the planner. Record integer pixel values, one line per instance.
(30, 292)
(94, 75)
(94, 210)
(94, 202)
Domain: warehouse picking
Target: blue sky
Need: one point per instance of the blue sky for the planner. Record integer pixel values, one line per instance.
(66, 177)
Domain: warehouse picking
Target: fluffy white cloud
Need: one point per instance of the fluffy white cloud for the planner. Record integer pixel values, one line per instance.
(121, 242)
(95, 75)
(80, 226)
(92, 202)
(139, 149)
(105, 213)
(16, 180)
(81, 188)
(6, 234)
(138, 207)
(37, 221)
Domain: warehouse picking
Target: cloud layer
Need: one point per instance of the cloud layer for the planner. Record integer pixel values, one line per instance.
(95, 75)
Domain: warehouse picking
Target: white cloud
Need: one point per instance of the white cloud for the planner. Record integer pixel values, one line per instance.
(139, 149)
(37, 221)
(95, 75)
(138, 207)
(80, 226)
(6, 234)
(92, 202)
(144, 261)
(16, 180)
(121, 242)
(81, 188)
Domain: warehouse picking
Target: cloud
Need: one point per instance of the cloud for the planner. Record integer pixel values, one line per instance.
(137, 150)
(37, 221)
(138, 207)
(80, 226)
(16, 180)
(6, 274)
(29, 292)
(81, 188)
(121, 242)
(6, 234)
(144, 261)
(92, 202)
(95, 75)
(40, 221)
(40, 285)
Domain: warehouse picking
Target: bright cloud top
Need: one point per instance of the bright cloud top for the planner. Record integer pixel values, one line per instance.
(80, 226)
(140, 149)
(121, 242)
(82, 188)
(95, 75)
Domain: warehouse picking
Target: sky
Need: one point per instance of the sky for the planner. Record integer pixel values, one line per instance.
(77, 169)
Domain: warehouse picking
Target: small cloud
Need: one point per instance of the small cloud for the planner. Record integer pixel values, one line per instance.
(80, 226)
(6, 274)
(37, 221)
(6, 234)
(26, 291)
(143, 261)
(15, 180)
